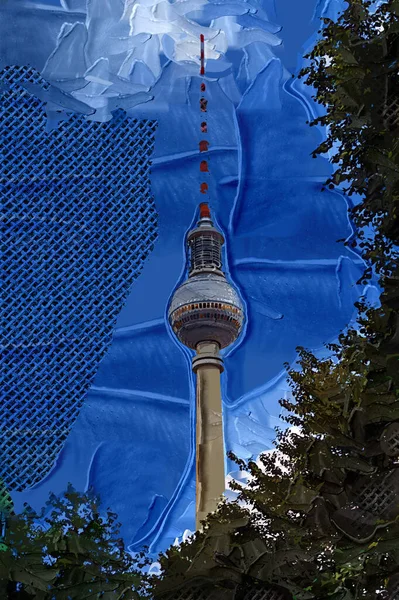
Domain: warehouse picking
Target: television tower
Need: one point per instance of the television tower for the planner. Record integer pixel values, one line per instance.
(206, 314)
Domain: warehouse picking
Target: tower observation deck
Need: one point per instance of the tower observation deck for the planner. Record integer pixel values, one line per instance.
(206, 314)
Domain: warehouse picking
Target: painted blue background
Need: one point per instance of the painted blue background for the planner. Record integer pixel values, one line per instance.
(134, 438)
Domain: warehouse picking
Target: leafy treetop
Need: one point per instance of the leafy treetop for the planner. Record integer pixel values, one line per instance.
(354, 69)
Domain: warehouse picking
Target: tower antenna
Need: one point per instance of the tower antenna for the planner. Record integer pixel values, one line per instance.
(204, 144)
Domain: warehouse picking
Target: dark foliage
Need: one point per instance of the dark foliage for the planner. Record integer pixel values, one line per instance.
(72, 553)
(354, 69)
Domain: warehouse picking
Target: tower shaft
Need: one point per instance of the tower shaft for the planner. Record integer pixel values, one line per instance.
(210, 480)
(207, 315)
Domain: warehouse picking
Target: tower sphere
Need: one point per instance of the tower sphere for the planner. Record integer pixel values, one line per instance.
(206, 307)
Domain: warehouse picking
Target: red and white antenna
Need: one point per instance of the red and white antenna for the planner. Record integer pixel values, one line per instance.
(202, 40)
(204, 144)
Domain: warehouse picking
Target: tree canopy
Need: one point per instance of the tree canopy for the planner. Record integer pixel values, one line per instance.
(354, 71)
(67, 551)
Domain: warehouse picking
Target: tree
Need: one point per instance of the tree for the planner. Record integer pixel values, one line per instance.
(73, 552)
(324, 523)
(354, 70)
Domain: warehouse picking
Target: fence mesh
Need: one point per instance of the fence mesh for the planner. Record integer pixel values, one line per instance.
(390, 114)
(77, 222)
(374, 500)
(390, 439)
(267, 594)
(204, 593)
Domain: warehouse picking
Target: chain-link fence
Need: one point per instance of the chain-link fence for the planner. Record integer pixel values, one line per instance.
(219, 593)
(77, 221)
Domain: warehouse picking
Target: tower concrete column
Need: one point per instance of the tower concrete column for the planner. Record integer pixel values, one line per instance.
(210, 479)
(206, 314)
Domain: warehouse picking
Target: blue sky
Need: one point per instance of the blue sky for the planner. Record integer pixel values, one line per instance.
(134, 438)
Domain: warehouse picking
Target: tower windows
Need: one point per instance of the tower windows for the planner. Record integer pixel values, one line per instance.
(205, 253)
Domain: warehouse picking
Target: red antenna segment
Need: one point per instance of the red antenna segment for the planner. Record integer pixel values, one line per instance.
(202, 39)
(203, 145)
(205, 213)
